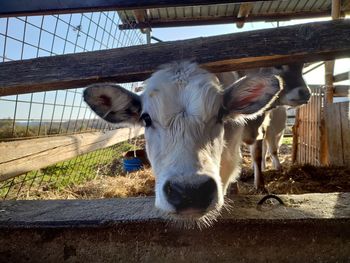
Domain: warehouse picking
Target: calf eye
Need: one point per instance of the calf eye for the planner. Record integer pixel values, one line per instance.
(146, 119)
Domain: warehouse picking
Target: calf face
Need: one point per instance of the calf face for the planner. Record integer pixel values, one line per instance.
(183, 109)
(296, 91)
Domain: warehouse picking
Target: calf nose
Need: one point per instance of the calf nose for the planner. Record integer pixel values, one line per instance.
(195, 196)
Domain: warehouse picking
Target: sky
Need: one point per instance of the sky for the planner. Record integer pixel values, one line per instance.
(62, 35)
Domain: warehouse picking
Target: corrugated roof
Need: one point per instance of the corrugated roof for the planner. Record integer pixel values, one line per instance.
(227, 13)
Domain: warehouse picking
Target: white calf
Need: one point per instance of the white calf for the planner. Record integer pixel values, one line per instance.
(295, 93)
(193, 131)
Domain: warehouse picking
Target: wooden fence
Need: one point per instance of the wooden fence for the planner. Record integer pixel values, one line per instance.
(321, 134)
(27, 155)
(307, 131)
(338, 133)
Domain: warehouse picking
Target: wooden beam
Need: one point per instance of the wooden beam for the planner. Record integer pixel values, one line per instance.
(41, 7)
(28, 155)
(309, 228)
(336, 9)
(341, 77)
(100, 213)
(243, 13)
(224, 20)
(341, 91)
(304, 43)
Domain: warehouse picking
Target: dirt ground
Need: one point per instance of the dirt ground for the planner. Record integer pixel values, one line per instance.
(292, 180)
(295, 179)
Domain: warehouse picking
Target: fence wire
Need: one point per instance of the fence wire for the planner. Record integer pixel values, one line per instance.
(57, 112)
(61, 111)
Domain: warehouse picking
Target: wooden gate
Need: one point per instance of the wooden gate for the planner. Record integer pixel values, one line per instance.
(338, 133)
(307, 131)
(321, 134)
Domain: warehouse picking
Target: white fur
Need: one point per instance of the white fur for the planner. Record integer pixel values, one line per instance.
(185, 141)
(274, 131)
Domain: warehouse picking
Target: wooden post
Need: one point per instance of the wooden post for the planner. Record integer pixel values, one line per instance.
(329, 79)
(329, 65)
(295, 130)
(336, 8)
(329, 70)
(148, 35)
(323, 135)
(244, 11)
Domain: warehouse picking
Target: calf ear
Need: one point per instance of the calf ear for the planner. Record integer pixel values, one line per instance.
(252, 94)
(113, 103)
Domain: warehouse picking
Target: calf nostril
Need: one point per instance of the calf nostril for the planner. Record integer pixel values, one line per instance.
(190, 196)
(174, 193)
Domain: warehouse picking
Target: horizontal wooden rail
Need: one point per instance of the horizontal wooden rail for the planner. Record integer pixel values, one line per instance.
(44, 7)
(342, 77)
(187, 21)
(306, 43)
(309, 228)
(341, 91)
(19, 157)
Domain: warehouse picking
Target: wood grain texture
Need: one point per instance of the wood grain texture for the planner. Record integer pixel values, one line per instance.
(306, 43)
(345, 126)
(334, 138)
(215, 20)
(28, 155)
(342, 76)
(338, 133)
(103, 212)
(39, 7)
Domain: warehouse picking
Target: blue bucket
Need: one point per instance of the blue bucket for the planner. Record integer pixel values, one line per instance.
(132, 164)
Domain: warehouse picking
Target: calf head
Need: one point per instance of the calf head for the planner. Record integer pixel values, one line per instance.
(295, 92)
(183, 109)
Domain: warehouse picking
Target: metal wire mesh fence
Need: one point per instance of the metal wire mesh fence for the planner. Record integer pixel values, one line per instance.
(57, 178)
(55, 112)
(62, 111)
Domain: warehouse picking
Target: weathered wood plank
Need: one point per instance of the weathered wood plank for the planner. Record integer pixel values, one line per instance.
(329, 70)
(334, 134)
(39, 7)
(132, 230)
(307, 42)
(342, 76)
(345, 131)
(342, 91)
(28, 155)
(97, 213)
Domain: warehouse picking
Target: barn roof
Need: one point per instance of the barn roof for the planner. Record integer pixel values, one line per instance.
(279, 10)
